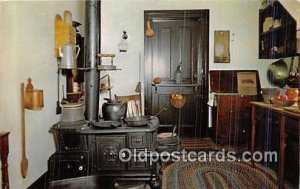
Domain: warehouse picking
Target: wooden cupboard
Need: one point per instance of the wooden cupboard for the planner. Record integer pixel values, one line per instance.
(276, 129)
(231, 120)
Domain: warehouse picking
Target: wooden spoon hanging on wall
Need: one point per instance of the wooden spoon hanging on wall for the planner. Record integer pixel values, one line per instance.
(24, 161)
(149, 31)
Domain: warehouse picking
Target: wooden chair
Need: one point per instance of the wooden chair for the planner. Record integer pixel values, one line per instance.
(4, 144)
(134, 107)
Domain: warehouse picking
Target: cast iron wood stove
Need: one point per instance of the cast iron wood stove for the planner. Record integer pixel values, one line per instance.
(84, 151)
(89, 147)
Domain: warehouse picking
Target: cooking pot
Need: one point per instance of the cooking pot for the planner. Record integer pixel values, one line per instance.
(114, 110)
(278, 73)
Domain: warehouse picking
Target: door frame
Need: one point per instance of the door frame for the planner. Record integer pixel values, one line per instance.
(201, 15)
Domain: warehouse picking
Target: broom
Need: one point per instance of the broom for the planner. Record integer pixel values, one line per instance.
(138, 87)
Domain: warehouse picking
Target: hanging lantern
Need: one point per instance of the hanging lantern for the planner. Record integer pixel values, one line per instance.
(123, 45)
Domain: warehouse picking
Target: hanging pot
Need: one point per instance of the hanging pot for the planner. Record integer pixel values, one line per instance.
(278, 73)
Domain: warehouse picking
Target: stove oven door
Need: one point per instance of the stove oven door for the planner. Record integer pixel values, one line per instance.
(68, 165)
(107, 152)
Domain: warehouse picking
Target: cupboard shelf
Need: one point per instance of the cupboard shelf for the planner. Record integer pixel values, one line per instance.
(274, 30)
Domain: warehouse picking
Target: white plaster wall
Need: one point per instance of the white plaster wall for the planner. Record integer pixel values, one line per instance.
(26, 50)
(293, 6)
(238, 16)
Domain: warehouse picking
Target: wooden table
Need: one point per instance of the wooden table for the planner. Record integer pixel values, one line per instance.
(4, 154)
(283, 114)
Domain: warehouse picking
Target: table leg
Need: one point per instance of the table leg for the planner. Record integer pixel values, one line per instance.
(155, 183)
(253, 127)
(283, 137)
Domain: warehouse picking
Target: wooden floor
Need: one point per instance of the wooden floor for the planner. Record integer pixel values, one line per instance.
(197, 144)
(207, 144)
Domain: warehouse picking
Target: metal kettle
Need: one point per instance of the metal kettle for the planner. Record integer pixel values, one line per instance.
(114, 110)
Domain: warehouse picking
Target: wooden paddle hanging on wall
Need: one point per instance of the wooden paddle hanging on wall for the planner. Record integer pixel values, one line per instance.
(30, 99)
(24, 161)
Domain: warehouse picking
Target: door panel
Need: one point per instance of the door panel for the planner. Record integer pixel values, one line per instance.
(172, 45)
(185, 51)
(162, 66)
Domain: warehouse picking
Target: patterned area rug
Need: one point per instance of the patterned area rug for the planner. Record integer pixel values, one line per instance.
(215, 175)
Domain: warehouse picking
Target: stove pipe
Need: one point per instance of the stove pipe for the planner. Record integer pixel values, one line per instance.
(92, 48)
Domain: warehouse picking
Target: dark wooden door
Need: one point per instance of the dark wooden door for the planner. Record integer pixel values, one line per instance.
(179, 37)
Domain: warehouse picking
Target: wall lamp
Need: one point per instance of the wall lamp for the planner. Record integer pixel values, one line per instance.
(123, 45)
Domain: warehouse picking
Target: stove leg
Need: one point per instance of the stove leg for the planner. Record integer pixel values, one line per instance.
(155, 183)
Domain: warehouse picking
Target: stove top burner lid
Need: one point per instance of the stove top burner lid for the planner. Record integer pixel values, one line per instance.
(106, 124)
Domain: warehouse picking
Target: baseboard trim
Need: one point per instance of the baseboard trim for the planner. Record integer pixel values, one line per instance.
(40, 183)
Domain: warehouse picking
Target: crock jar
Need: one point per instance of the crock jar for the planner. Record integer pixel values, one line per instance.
(72, 112)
